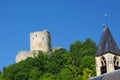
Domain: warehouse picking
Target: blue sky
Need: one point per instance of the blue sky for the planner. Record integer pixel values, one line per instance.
(67, 21)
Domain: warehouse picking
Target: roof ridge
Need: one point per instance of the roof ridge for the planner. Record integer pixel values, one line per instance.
(107, 43)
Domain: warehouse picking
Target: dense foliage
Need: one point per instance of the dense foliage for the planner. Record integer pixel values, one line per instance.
(76, 64)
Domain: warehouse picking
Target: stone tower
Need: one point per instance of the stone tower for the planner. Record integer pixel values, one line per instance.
(108, 54)
(40, 41)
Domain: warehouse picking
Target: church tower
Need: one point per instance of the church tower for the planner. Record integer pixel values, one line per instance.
(108, 54)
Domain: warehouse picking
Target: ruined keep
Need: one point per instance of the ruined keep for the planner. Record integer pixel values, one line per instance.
(39, 41)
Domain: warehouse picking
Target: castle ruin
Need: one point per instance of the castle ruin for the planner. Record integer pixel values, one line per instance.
(39, 41)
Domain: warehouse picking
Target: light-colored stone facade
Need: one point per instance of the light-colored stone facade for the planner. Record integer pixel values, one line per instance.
(39, 41)
(22, 55)
(109, 60)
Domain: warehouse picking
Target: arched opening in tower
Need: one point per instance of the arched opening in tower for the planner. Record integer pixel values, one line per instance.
(116, 63)
(103, 67)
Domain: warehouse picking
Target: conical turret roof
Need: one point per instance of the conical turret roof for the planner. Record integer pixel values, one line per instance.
(107, 44)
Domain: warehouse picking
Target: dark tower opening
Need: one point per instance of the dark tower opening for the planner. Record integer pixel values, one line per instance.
(116, 63)
(103, 67)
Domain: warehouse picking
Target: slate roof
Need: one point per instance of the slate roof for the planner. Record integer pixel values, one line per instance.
(108, 76)
(107, 43)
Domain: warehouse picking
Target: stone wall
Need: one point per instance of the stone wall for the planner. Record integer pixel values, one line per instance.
(22, 55)
(40, 41)
(109, 62)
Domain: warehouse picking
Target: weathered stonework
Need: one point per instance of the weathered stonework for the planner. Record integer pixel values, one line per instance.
(39, 41)
(22, 55)
(110, 60)
(108, 54)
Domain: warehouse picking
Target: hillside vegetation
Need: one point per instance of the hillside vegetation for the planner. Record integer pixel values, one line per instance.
(76, 64)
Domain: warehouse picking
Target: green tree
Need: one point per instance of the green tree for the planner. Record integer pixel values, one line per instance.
(76, 64)
(1, 78)
(65, 74)
(34, 74)
(88, 62)
(48, 76)
(82, 56)
(21, 76)
(87, 73)
(88, 48)
(56, 61)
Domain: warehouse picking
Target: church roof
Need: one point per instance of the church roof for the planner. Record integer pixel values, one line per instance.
(108, 76)
(107, 44)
